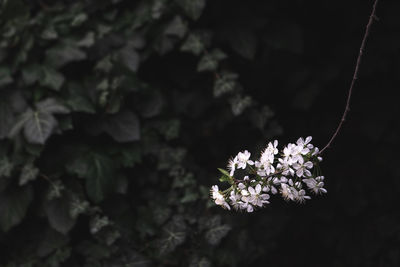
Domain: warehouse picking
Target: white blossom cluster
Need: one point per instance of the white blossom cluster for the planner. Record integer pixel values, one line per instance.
(292, 173)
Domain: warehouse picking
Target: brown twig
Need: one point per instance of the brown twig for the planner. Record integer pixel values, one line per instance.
(372, 17)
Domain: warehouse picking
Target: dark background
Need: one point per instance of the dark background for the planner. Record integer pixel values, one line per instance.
(296, 58)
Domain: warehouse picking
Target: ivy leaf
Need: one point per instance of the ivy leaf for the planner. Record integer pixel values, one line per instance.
(51, 240)
(192, 8)
(5, 167)
(28, 173)
(243, 41)
(239, 104)
(79, 19)
(131, 259)
(52, 79)
(55, 190)
(57, 211)
(225, 84)
(6, 117)
(130, 58)
(177, 27)
(122, 127)
(61, 55)
(99, 176)
(209, 62)
(78, 100)
(13, 206)
(49, 33)
(39, 126)
(51, 105)
(193, 44)
(216, 230)
(200, 262)
(5, 76)
(78, 206)
(129, 156)
(31, 74)
(174, 235)
(97, 223)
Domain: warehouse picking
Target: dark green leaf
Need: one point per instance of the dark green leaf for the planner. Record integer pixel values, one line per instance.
(99, 176)
(123, 126)
(193, 44)
(58, 56)
(78, 206)
(5, 167)
(6, 117)
(5, 76)
(224, 172)
(244, 42)
(13, 206)
(196, 42)
(51, 241)
(215, 234)
(174, 235)
(79, 19)
(49, 34)
(130, 58)
(177, 27)
(225, 84)
(55, 190)
(239, 104)
(28, 173)
(52, 79)
(97, 223)
(57, 211)
(32, 73)
(78, 100)
(192, 8)
(209, 62)
(200, 262)
(87, 41)
(51, 106)
(39, 126)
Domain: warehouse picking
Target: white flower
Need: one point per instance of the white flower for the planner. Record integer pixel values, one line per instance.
(264, 167)
(304, 145)
(269, 152)
(300, 195)
(284, 166)
(292, 153)
(246, 205)
(256, 198)
(219, 198)
(232, 166)
(286, 192)
(243, 158)
(316, 185)
(302, 169)
(244, 192)
(274, 191)
(235, 200)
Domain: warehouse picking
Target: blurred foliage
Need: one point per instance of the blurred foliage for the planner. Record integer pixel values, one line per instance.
(114, 116)
(95, 167)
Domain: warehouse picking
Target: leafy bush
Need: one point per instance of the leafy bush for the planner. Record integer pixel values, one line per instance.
(96, 164)
(114, 116)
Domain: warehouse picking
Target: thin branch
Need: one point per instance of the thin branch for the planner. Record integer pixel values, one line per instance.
(372, 17)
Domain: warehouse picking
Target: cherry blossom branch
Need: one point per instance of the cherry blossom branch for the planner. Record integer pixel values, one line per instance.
(372, 17)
